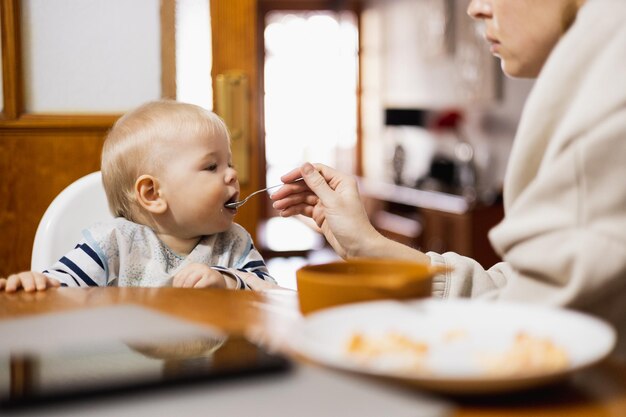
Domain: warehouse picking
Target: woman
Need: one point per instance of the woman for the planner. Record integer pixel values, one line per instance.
(563, 238)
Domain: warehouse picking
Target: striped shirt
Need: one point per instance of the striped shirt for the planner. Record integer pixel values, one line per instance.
(126, 254)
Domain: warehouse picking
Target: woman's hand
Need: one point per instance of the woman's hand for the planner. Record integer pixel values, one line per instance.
(201, 276)
(28, 280)
(331, 198)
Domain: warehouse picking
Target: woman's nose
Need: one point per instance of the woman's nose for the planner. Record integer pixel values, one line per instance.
(480, 9)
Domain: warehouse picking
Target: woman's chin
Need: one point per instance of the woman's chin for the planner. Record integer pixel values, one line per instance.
(515, 69)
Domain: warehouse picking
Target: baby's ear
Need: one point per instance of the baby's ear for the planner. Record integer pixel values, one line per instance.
(149, 195)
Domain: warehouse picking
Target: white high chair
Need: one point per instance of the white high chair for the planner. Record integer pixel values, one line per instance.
(77, 207)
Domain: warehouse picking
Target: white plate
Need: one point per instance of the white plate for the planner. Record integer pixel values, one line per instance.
(459, 334)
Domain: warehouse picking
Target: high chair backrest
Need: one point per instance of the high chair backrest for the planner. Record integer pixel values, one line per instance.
(77, 207)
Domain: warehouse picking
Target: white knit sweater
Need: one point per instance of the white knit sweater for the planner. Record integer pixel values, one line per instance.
(563, 238)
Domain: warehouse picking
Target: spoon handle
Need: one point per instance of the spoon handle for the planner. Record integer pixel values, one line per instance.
(242, 202)
(277, 185)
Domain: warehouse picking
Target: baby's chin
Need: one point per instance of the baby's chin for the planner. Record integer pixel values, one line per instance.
(220, 228)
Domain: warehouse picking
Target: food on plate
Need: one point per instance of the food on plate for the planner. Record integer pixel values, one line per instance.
(527, 355)
(395, 351)
(454, 335)
(392, 342)
(390, 350)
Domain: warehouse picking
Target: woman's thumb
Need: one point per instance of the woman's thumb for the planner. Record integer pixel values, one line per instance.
(316, 181)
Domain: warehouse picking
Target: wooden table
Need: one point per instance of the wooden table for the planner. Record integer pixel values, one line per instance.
(599, 391)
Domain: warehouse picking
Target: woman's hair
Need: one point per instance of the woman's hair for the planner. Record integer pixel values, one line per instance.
(569, 15)
(135, 146)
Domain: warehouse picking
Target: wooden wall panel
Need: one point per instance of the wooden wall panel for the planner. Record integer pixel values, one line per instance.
(35, 165)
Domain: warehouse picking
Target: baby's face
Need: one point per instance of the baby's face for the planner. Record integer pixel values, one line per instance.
(197, 180)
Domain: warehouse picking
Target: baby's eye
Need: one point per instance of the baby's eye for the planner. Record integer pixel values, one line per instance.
(231, 165)
(211, 167)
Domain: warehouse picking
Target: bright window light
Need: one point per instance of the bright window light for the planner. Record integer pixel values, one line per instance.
(311, 70)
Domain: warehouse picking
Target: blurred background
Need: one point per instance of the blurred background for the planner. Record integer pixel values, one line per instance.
(404, 94)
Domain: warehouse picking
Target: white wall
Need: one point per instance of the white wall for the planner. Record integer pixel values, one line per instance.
(193, 53)
(90, 55)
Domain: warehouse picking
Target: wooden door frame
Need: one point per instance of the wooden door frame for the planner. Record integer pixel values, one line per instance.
(233, 23)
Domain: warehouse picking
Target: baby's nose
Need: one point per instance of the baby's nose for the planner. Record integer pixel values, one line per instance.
(231, 176)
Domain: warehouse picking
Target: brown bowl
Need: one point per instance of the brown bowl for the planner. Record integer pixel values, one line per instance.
(326, 285)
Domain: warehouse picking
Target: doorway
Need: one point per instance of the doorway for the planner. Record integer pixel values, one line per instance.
(309, 93)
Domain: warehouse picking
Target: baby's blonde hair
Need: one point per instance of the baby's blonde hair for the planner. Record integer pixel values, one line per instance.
(134, 146)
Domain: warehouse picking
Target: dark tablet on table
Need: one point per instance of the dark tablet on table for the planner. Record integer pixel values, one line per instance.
(123, 368)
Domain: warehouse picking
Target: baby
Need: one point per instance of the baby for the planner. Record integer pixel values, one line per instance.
(167, 172)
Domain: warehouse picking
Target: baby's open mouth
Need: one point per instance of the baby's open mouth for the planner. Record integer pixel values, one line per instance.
(231, 200)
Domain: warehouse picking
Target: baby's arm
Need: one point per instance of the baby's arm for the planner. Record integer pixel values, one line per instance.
(199, 275)
(244, 280)
(243, 263)
(253, 274)
(253, 270)
(80, 267)
(255, 283)
(29, 281)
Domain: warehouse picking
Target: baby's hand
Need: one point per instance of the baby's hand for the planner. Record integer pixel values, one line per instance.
(200, 276)
(29, 281)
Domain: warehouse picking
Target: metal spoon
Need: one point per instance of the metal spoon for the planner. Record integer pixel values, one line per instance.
(240, 203)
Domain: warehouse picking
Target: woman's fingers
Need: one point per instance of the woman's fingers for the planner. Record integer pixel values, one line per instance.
(316, 182)
(291, 176)
(295, 199)
(304, 209)
(287, 190)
